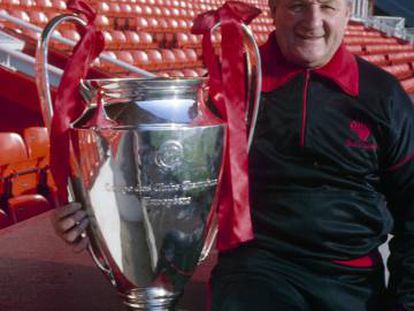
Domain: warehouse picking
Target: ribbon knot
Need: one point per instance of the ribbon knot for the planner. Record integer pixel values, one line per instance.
(227, 91)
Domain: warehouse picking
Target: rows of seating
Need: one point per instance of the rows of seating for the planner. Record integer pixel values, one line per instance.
(155, 34)
(26, 188)
(26, 184)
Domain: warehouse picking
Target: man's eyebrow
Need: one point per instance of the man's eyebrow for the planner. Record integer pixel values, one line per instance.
(327, 1)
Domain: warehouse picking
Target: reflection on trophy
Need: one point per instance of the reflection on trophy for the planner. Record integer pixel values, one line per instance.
(148, 180)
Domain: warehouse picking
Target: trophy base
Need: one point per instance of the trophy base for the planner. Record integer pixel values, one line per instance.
(150, 299)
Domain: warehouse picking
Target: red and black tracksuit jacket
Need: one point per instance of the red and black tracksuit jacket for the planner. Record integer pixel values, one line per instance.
(332, 172)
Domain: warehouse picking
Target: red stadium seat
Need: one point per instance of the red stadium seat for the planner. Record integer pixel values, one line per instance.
(105, 64)
(408, 85)
(114, 8)
(102, 22)
(27, 206)
(125, 56)
(126, 9)
(176, 73)
(141, 59)
(190, 73)
(37, 141)
(119, 39)
(12, 148)
(181, 58)
(168, 58)
(401, 71)
(38, 18)
(377, 59)
(44, 4)
(20, 15)
(155, 59)
(103, 8)
(59, 5)
(145, 40)
(136, 10)
(182, 39)
(399, 57)
(141, 23)
(192, 58)
(71, 34)
(146, 10)
(153, 24)
(355, 49)
(27, 3)
(132, 39)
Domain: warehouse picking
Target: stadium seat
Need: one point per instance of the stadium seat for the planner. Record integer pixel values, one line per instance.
(26, 206)
(37, 141)
(190, 73)
(44, 4)
(13, 148)
(400, 57)
(29, 4)
(38, 18)
(168, 58)
(155, 59)
(119, 39)
(355, 49)
(102, 22)
(59, 5)
(141, 59)
(132, 39)
(181, 58)
(377, 59)
(125, 56)
(146, 40)
(114, 9)
(408, 85)
(401, 71)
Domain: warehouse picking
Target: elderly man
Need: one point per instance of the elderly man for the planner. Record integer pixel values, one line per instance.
(332, 174)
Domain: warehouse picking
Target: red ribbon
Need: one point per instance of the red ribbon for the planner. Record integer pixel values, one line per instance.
(227, 91)
(69, 104)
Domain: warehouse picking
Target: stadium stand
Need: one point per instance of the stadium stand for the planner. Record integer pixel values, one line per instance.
(153, 35)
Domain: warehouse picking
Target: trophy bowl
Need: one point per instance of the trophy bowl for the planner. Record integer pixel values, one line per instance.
(148, 184)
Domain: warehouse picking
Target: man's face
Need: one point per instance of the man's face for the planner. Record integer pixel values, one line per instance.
(310, 31)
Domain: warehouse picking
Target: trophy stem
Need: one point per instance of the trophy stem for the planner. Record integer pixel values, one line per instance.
(153, 299)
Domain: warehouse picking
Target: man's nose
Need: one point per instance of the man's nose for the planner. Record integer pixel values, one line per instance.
(312, 18)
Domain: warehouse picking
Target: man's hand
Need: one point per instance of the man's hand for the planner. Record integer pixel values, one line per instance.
(70, 222)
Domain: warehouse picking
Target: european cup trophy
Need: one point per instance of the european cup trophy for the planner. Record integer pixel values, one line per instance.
(148, 178)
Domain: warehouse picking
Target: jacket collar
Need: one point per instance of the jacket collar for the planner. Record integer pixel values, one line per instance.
(342, 69)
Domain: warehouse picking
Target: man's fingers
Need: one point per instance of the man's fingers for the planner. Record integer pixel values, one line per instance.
(73, 234)
(67, 223)
(64, 211)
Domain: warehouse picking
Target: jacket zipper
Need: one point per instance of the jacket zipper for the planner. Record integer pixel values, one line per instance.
(304, 108)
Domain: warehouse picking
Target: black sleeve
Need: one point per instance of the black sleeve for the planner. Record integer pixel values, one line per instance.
(398, 181)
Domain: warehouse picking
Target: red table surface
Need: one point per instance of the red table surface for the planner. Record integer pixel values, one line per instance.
(39, 272)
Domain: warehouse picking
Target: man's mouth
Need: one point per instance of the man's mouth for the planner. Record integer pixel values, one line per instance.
(310, 37)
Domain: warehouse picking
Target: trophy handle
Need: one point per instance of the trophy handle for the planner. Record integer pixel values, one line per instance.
(251, 113)
(254, 80)
(43, 88)
(42, 75)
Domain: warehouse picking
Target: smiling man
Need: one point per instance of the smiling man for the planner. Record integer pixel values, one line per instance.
(332, 174)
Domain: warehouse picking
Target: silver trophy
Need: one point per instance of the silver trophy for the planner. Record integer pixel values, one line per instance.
(149, 183)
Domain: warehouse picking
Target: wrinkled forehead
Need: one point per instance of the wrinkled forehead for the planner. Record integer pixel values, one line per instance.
(273, 3)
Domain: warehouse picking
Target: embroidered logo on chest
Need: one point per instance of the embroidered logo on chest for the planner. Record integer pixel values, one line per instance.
(361, 134)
